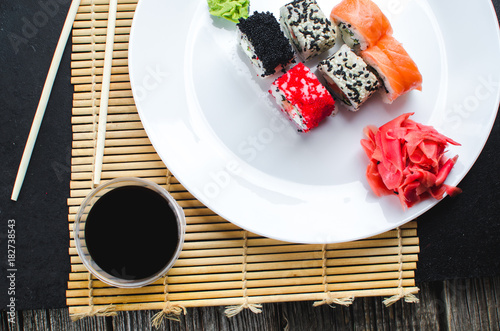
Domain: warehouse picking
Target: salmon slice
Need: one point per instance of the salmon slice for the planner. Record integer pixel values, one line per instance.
(364, 19)
(394, 66)
(402, 61)
(391, 77)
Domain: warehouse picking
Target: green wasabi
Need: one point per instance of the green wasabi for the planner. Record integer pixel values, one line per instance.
(231, 10)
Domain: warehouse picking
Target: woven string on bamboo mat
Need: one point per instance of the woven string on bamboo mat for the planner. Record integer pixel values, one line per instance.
(220, 264)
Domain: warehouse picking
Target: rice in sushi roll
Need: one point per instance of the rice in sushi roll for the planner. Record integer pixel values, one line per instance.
(302, 97)
(265, 44)
(349, 77)
(309, 30)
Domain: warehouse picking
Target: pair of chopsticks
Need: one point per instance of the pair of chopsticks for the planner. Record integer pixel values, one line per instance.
(47, 88)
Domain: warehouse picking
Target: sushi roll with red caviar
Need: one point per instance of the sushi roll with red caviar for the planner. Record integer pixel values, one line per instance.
(264, 43)
(348, 77)
(307, 27)
(302, 97)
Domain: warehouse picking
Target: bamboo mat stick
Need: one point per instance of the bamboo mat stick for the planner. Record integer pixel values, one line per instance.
(117, 158)
(119, 46)
(284, 297)
(103, 16)
(97, 94)
(103, 7)
(119, 150)
(229, 264)
(121, 109)
(98, 79)
(318, 288)
(114, 101)
(236, 284)
(100, 31)
(121, 173)
(158, 180)
(97, 64)
(257, 299)
(105, 2)
(112, 135)
(79, 279)
(188, 212)
(112, 117)
(101, 24)
(351, 261)
(113, 142)
(120, 166)
(98, 71)
(103, 106)
(42, 105)
(113, 86)
(97, 56)
(373, 271)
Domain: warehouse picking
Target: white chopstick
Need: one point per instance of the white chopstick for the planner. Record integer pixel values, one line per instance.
(42, 104)
(106, 79)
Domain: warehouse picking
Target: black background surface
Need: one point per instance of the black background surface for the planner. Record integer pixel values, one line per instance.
(458, 238)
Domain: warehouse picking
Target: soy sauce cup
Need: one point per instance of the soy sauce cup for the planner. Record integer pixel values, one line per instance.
(129, 232)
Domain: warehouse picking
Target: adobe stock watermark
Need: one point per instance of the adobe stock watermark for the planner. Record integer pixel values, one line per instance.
(458, 112)
(392, 8)
(150, 82)
(62, 170)
(11, 271)
(30, 26)
(248, 149)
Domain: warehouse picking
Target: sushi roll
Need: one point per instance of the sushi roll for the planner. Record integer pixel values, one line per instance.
(349, 77)
(398, 72)
(302, 97)
(361, 23)
(307, 27)
(265, 44)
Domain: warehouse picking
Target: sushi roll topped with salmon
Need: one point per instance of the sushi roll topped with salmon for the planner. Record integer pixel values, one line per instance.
(398, 72)
(361, 23)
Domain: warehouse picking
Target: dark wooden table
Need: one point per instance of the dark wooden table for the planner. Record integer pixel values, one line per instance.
(463, 304)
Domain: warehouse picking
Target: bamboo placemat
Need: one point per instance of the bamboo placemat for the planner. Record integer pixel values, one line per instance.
(220, 264)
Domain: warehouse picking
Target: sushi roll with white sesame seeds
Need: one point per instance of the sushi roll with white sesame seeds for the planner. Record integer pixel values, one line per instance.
(265, 44)
(348, 77)
(307, 27)
(302, 97)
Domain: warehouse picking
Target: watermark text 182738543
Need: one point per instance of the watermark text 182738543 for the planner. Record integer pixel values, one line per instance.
(11, 270)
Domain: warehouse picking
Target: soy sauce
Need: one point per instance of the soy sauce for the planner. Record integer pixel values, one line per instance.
(131, 232)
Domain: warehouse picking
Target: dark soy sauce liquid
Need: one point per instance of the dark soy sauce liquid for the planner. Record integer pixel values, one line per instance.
(131, 232)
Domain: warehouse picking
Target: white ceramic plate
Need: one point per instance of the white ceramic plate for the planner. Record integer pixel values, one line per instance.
(221, 134)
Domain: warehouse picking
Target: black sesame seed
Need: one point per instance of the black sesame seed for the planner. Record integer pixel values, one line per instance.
(270, 45)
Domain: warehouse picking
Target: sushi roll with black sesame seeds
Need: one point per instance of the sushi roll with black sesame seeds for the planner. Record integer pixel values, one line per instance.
(302, 98)
(265, 44)
(348, 77)
(307, 27)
